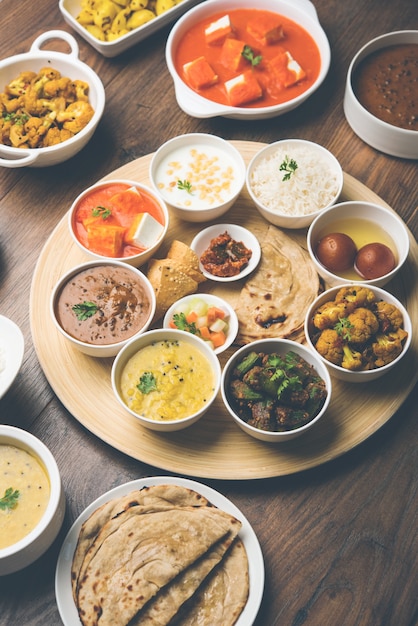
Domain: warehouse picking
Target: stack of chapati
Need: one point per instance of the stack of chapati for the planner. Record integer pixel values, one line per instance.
(160, 555)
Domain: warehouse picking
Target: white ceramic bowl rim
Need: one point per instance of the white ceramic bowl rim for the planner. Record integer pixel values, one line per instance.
(117, 181)
(201, 139)
(383, 295)
(197, 105)
(27, 156)
(83, 266)
(318, 365)
(369, 47)
(315, 146)
(402, 252)
(25, 440)
(210, 355)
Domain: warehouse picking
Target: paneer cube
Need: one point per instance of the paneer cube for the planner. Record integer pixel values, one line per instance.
(199, 73)
(105, 239)
(144, 231)
(294, 71)
(218, 31)
(243, 89)
(128, 202)
(231, 54)
(284, 72)
(264, 31)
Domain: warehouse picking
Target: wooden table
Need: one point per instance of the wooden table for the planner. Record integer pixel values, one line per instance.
(339, 541)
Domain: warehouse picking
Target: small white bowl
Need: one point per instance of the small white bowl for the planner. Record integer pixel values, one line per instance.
(382, 136)
(109, 349)
(12, 348)
(71, 8)
(166, 334)
(264, 176)
(341, 373)
(384, 218)
(68, 65)
(136, 260)
(216, 172)
(281, 347)
(203, 239)
(25, 551)
(186, 304)
(302, 12)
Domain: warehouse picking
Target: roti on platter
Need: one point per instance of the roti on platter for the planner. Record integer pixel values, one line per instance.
(141, 557)
(274, 300)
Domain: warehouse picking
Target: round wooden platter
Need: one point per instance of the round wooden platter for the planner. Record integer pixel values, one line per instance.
(214, 447)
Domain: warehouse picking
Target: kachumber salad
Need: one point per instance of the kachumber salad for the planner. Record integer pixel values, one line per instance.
(248, 57)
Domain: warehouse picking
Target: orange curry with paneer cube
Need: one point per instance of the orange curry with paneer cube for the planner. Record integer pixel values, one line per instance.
(117, 220)
(248, 58)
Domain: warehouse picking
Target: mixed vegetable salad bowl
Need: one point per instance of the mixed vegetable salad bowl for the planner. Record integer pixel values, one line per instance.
(36, 135)
(166, 379)
(247, 59)
(275, 389)
(207, 316)
(359, 332)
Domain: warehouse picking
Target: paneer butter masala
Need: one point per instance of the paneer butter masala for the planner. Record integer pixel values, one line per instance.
(248, 58)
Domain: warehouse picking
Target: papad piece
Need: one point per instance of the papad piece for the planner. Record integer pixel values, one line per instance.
(275, 298)
(140, 554)
(169, 283)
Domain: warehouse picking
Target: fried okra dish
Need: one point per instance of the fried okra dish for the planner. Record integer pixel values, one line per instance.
(358, 331)
(42, 109)
(276, 392)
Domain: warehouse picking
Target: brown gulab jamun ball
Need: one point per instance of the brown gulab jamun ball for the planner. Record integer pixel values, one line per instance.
(336, 252)
(374, 260)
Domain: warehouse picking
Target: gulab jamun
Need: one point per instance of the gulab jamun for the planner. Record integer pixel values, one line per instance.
(336, 252)
(374, 260)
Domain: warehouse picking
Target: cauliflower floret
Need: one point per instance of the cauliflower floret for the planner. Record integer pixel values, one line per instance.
(389, 316)
(76, 116)
(355, 296)
(19, 85)
(388, 347)
(57, 135)
(328, 314)
(330, 346)
(352, 359)
(362, 325)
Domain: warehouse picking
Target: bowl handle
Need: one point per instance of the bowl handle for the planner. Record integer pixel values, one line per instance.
(307, 7)
(56, 34)
(27, 158)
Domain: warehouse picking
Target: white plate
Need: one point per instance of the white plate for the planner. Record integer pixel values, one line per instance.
(12, 347)
(63, 593)
(202, 240)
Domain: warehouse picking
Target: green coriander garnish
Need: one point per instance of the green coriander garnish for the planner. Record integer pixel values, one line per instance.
(181, 323)
(184, 185)
(289, 166)
(9, 500)
(85, 310)
(248, 54)
(147, 383)
(101, 211)
(343, 327)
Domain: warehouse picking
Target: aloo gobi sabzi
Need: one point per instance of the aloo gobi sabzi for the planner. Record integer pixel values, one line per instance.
(274, 392)
(38, 110)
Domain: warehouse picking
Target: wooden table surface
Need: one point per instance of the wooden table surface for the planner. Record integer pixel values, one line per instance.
(339, 541)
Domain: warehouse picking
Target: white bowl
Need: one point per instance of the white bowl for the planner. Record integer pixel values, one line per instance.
(384, 218)
(71, 8)
(12, 348)
(109, 349)
(302, 12)
(238, 233)
(387, 138)
(217, 162)
(25, 551)
(320, 167)
(138, 259)
(341, 373)
(166, 334)
(68, 65)
(186, 304)
(281, 347)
